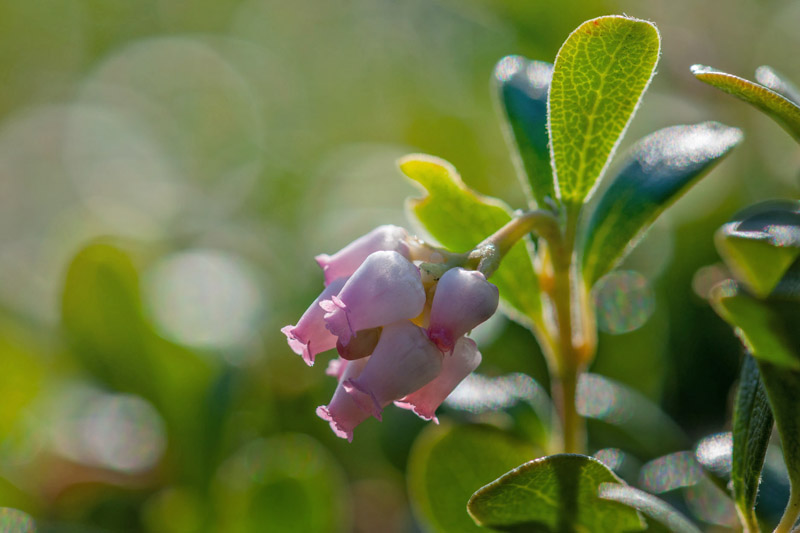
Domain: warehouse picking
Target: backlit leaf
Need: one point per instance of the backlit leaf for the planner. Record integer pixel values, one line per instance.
(599, 76)
(460, 219)
(783, 111)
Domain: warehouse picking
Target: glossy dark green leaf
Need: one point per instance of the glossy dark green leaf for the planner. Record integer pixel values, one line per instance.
(752, 427)
(648, 504)
(553, 494)
(768, 77)
(460, 218)
(600, 74)
(448, 463)
(783, 111)
(761, 243)
(769, 330)
(522, 87)
(657, 171)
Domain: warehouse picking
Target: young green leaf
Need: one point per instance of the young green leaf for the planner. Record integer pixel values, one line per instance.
(599, 76)
(783, 111)
(761, 243)
(448, 462)
(459, 219)
(554, 493)
(522, 87)
(648, 504)
(767, 332)
(752, 427)
(767, 77)
(657, 171)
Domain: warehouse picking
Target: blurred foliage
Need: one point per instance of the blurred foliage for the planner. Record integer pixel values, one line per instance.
(169, 168)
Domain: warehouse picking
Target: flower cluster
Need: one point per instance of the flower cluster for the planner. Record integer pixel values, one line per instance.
(399, 331)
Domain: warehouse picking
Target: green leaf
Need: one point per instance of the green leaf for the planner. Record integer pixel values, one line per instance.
(522, 87)
(781, 110)
(447, 464)
(752, 427)
(460, 219)
(783, 387)
(553, 494)
(657, 171)
(761, 243)
(288, 482)
(768, 330)
(109, 335)
(771, 79)
(648, 504)
(599, 76)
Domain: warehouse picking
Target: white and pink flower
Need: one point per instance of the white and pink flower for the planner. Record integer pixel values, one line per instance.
(399, 340)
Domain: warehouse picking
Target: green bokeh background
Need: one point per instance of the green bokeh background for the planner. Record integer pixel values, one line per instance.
(168, 170)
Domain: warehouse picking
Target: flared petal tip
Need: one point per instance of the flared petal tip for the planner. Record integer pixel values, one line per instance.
(364, 398)
(417, 410)
(299, 347)
(336, 427)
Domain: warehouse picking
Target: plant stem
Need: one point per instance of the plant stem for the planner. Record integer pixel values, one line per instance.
(791, 514)
(570, 362)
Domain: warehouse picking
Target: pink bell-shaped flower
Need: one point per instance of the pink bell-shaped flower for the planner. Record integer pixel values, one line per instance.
(404, 361)
(463, 300)
(347, 260)
(386, 288)
(310, 336)
(343, 412)
(455, 368)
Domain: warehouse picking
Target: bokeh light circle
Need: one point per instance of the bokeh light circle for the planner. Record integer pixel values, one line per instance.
(624, 300)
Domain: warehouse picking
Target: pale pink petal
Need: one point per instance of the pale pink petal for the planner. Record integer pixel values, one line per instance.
(403, 361)
(455, 368)
(310, 336)
(347, 260)
(343, 412)
(463, 300)
(386, 288)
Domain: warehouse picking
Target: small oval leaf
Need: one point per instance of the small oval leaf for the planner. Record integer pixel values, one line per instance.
(460, 218)
(447, 464)
(761, 243)
(783, 111)
(768, 330)
(551, 494)
(522, 87)
(648, 504)
(658, 170)
(600, 74)
(752, 427)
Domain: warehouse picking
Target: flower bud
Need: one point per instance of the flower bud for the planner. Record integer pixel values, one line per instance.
(463, 300)
(343, 412)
